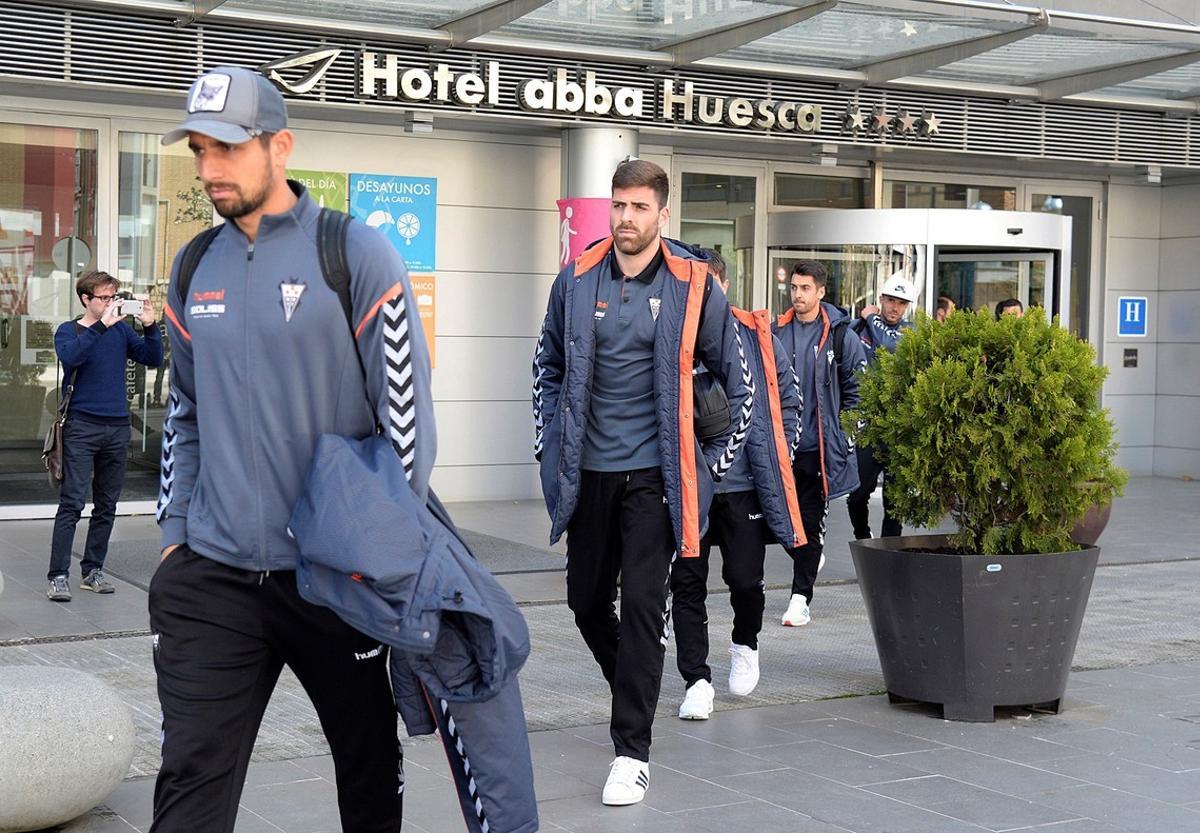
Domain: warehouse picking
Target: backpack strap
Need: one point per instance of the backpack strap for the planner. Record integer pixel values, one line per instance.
(192, 253)
(332, 231)
(838, 334)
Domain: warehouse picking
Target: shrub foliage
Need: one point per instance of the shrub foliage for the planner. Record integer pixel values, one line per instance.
(996, 423)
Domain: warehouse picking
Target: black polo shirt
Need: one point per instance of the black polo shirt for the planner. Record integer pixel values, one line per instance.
(622, 430)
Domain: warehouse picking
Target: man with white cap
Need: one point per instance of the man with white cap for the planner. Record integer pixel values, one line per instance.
(265, 361)
(879, 326)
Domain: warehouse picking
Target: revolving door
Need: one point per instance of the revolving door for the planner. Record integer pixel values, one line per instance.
(975, 258)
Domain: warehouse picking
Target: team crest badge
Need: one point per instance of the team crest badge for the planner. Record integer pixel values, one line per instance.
(655, 305)
(290, 298)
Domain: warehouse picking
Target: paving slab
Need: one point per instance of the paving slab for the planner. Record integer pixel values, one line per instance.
(814, 750)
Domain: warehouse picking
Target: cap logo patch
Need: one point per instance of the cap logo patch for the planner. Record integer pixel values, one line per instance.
(209, 93)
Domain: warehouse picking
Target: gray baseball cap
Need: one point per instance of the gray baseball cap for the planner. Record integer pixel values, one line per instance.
(232, 105)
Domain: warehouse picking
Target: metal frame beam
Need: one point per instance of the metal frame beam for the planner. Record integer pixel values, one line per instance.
(487, 18)
(1109, 75)
(202, 7)
(638, 57)
(922, 60)
(715, 41)
(1088, 18)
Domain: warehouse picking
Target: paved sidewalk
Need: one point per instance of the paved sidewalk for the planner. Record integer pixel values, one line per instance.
(1124, 756)
(813, 749)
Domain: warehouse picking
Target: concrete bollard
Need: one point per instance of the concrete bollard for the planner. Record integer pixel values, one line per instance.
(66, 741)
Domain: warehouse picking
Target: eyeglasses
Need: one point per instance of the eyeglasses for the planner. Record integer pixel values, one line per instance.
(103, 297)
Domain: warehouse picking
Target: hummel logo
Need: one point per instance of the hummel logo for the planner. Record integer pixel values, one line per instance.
(371, 654)
(323, 58)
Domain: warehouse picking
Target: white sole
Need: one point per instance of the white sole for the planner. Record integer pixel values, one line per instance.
(695, 716)
(629, 803)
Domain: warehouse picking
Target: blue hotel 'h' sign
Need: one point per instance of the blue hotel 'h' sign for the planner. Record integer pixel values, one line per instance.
(1131, 316)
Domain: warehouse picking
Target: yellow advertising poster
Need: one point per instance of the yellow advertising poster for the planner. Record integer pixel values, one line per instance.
(425, 288)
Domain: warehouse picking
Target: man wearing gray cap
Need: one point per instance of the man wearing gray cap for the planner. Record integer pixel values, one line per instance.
(264, 363)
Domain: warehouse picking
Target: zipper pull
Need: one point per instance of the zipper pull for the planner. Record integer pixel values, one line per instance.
(250, 252)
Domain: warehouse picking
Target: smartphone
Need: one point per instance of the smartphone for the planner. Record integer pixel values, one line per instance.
(132, 306)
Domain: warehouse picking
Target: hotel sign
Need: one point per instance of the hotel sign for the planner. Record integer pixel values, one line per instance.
(381, 76)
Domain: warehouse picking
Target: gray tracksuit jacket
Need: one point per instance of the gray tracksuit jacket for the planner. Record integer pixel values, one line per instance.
(264, 363)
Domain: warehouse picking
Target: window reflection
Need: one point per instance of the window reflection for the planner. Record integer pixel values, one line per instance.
(806, 191)
(162, 207)
(47, 237)
(856, 273)
(717, 212)
(948, 195)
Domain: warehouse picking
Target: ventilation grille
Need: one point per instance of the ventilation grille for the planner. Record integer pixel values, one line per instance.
(143, 52)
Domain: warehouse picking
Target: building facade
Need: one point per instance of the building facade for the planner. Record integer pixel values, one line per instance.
(481, 139)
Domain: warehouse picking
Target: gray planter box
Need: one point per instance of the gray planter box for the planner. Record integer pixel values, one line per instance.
(972, 632)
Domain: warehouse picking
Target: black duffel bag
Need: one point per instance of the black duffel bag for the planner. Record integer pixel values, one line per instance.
(710, 416)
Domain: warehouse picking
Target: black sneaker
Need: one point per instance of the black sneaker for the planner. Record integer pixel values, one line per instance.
(97, 583)
(59, 589)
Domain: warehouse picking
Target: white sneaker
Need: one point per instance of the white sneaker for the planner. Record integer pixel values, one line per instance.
(797, 612)
(743, 669)
(698, 702)
(627, 781)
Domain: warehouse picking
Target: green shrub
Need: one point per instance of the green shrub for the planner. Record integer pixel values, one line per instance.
(996, 423)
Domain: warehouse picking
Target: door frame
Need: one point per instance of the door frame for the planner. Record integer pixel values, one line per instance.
(681, 164)
(1023, 259)
(1096, 280)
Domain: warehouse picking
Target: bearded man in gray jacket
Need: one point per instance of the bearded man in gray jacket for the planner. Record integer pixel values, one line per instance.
(264, 362)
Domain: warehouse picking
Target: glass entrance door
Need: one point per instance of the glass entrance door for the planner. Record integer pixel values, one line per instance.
(710, 206)
(1080, 206)
(981, 280)
(48, 235)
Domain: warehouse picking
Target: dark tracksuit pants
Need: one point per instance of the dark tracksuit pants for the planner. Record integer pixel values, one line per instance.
(870, 464)
(221, 637)
(95, 454)
(622, 528)
(810, 493)
(737, 526)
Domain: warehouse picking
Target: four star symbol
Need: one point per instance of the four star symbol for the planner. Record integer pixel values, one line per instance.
(907, 123)
(854, 119)
(904, 123)
(880, 120)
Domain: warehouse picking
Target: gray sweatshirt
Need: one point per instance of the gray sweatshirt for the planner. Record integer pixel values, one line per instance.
(263, 362)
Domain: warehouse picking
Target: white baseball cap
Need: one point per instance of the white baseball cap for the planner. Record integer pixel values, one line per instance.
(898, 286)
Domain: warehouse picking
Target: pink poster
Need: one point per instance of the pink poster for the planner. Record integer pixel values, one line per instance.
(581, 221)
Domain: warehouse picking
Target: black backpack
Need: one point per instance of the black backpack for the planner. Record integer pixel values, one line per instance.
(838, 334)
(332, 228)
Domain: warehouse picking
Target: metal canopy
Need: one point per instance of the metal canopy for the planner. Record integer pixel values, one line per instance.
(470, 25)
(922, 60)
(202, 7)
(1112, 75)
(975, 47)
(714, 42)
